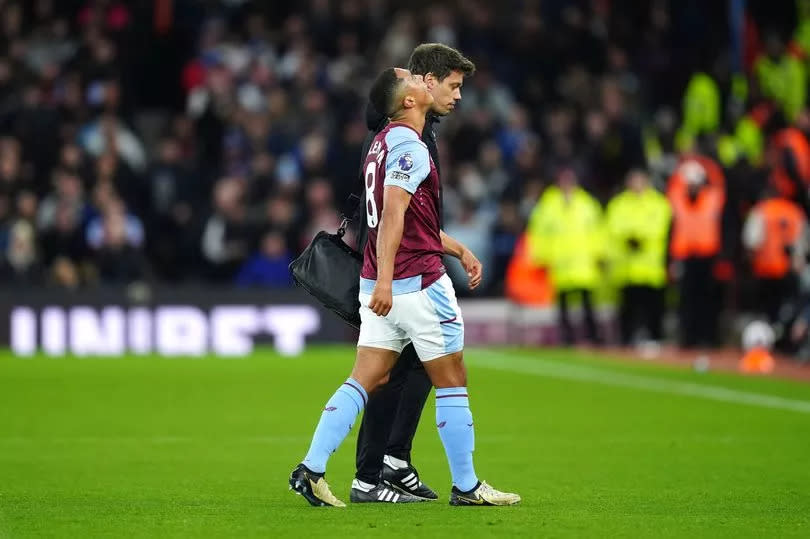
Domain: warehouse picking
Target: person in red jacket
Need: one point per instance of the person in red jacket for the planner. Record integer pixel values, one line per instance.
(789, 160)
(697, 196)
(774, 235)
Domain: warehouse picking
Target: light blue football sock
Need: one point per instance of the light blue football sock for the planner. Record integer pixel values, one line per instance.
(455, 423)
(336, 422)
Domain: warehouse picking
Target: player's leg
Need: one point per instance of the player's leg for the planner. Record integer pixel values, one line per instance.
(376, 426)
(436, 328)
(397, 469)
(455, 423)
(453, 417)
(415, 391)
(370, 370)
(378, 347)
(368, 485)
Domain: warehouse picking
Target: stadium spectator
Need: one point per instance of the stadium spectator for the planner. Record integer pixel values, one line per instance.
(20, 265)
(113, 16)
(504, 239)
(227, 235)
(67, 195)
(659, 147)
(109, 134)
(113, 212)
(63, 238)
(71, 159)
(494, 176)
(472, 228)
(117, 256)
(487, 93)
(616, 147)
(321, 213)
(14, 176)
(34, 125)
(270, 266)
(173, 209)
(98, 101)
(26, 206)
(64, 274)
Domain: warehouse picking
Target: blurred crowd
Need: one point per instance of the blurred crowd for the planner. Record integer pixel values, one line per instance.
(181, 140)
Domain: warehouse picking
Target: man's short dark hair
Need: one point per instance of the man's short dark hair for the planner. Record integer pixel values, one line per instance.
(383, 91)
(440, 60)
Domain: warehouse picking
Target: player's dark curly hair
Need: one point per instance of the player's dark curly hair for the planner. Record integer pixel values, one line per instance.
(383, 91)
(440, 60)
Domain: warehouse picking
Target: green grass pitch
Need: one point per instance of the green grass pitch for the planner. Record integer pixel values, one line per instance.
(152, 447)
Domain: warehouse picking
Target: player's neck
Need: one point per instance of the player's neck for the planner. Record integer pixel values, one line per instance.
(413, 118)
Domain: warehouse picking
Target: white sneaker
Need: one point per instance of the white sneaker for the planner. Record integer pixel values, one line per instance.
(483, 494)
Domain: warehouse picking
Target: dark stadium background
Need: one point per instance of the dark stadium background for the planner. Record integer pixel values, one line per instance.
(161, 162)
(238, 126)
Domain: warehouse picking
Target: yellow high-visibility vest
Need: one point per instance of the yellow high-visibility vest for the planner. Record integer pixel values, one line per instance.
(701, 105)
(784, 81)
(640, 219)
(567, 237)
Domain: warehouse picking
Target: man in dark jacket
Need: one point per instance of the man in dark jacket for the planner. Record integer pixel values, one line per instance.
(393, 411)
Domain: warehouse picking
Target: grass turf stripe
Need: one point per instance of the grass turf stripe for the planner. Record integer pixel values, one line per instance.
(526, 364)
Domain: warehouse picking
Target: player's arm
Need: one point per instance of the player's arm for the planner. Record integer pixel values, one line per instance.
(469, 261)
(389, 236)
(406, 166)
(452, 246)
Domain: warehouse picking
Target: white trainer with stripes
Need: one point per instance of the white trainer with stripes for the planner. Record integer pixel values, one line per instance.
(405, 478)
(380, 493)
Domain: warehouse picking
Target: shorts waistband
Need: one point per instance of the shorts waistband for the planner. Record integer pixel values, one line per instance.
(398, 286)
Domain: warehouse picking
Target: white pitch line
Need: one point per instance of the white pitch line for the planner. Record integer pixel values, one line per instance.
(513, 362)
(273, 440)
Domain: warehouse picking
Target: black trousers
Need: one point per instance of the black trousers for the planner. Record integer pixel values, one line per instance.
(393, 410)
(392, 415)
(567, 330)
(699, 303)
(641, 306)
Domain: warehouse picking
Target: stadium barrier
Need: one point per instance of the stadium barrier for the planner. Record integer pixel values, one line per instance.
(227, 322)
(169, 321)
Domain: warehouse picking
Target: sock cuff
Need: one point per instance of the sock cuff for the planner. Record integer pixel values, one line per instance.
(395, 462)
(356, 392)
(452, 397)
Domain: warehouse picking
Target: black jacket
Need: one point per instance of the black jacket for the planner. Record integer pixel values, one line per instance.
(376, 122)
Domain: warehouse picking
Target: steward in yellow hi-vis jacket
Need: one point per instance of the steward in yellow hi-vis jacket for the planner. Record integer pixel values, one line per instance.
(701, 107)
(565, 235)
(637, 223)
(781, 76)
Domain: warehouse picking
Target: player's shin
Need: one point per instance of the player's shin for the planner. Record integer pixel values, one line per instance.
(336, 421)
(455, 423)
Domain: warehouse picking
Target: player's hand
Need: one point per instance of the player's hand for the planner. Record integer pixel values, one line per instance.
(381, 299)
(473, 268)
